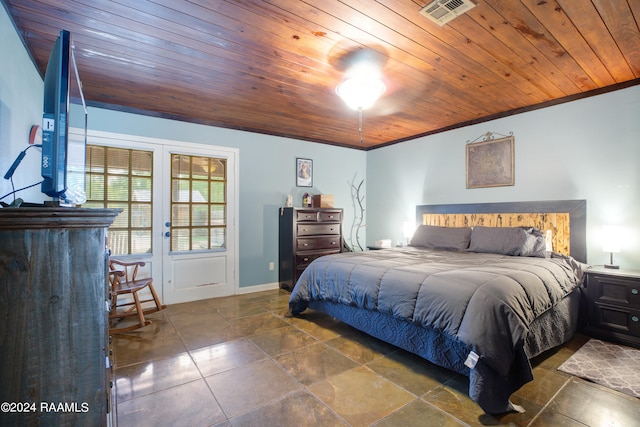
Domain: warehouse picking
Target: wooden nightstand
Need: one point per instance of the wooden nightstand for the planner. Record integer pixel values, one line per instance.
(613, 305)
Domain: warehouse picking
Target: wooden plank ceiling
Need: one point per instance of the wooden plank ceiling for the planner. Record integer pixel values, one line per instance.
(272, 66)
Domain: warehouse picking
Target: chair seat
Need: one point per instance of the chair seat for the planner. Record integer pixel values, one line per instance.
(128, 287)
(124, 281)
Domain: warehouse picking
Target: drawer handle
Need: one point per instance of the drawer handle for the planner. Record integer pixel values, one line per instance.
(305, 259)
(634, 291)
(305, 244)
(634, 318)
(333, 243)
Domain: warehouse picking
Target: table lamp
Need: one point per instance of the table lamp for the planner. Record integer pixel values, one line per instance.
(611, 242)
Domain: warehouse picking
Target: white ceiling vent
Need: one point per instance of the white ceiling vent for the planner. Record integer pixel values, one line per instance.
(443, 11)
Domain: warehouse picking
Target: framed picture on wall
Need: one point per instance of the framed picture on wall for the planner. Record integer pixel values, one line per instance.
(490, 163)
(304, 172)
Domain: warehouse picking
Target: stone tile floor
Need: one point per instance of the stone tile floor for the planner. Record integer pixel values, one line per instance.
(244, 361)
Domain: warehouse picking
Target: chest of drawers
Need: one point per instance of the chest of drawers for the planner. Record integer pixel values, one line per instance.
(613, 304)
(304, 235)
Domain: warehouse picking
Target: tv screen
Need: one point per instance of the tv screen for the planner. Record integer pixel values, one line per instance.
(55, 125)
(63, 155)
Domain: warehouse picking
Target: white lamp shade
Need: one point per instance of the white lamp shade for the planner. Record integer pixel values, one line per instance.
(408, 228)
(611, 237)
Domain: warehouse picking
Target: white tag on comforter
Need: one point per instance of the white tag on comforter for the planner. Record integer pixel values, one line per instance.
(472, 360)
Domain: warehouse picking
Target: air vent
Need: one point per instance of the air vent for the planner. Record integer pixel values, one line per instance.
(443, 11)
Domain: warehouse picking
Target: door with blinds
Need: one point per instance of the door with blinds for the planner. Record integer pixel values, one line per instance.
(178, 206)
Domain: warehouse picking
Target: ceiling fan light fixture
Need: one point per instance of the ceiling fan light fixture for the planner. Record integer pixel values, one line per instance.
(360, 92)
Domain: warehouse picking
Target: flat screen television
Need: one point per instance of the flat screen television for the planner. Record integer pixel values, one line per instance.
(61, 87)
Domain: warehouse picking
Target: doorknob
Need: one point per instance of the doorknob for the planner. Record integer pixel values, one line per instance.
(167, 224)
(167, 234)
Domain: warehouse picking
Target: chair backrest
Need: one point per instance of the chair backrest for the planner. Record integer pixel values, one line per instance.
(129, 270)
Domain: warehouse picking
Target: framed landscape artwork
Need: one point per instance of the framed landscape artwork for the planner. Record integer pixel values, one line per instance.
(490, 163)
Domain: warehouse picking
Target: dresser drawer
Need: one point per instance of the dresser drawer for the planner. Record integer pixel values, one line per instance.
(330, 216)
(617, 318)
(315, 243)
(311, 229)
(318, 216)
(614, 290)
(303, 260)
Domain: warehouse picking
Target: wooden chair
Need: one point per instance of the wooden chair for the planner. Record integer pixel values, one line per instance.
(124, 280)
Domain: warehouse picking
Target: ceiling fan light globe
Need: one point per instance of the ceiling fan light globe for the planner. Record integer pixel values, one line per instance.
(360, 93)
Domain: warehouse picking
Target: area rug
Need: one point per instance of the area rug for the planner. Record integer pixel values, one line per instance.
(611, 365)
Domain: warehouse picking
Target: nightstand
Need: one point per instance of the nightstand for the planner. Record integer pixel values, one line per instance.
(613, 305)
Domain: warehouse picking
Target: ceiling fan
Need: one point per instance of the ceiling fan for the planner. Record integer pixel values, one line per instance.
(363, 82)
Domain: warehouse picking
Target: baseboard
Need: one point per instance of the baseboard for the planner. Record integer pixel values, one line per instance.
(258, 288)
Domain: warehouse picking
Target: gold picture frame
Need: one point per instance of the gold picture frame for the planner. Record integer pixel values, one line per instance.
(490, 162)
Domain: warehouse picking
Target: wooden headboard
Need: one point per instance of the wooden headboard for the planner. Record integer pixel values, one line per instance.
(567, 219)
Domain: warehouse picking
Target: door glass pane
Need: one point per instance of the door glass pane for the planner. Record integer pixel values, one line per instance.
(218, 170)
(180, 215)
(118, 187)
(198, 202)
(180, 239)
(180, 190)
(141, 189)
(218, 237)
(180, 166)
(200, 238)
(200, 192)
(95, 186)
(199, 215)
(218, 192)
(218, 216)
(121, 178)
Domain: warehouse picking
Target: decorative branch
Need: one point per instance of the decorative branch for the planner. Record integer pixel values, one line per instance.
(358, 213)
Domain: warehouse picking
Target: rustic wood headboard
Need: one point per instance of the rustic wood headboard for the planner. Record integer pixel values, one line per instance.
(565, 218)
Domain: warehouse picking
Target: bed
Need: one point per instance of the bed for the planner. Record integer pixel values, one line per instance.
(481, 289)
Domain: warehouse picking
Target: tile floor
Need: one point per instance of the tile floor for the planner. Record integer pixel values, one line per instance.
(244, 361)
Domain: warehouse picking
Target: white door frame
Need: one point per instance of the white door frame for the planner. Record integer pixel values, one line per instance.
(160, 253)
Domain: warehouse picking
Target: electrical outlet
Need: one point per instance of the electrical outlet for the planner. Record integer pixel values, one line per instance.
(272, 266)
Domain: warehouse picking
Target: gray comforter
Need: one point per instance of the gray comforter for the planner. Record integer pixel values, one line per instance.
(485, 301)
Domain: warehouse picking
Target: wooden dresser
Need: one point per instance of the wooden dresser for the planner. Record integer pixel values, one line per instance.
(54, 339)
(306, 234)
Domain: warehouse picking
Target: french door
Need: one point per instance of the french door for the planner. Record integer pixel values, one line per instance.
(179, 204)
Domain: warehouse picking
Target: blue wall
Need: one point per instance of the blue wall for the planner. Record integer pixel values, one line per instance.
(20, 107)
(586, 149)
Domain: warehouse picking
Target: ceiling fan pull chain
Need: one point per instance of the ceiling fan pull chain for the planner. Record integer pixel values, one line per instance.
(360, 124)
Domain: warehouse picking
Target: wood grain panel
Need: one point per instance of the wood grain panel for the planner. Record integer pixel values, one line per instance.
(569, 233)
(272, 66)
(557, 222)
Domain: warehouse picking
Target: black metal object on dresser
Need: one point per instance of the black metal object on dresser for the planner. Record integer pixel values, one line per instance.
(613, 304)
(306, 234)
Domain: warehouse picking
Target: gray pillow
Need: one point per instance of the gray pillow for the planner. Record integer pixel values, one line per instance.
(517, 241)
(435, 237)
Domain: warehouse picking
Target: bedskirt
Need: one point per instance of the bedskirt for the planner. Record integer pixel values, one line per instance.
(489, 389)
